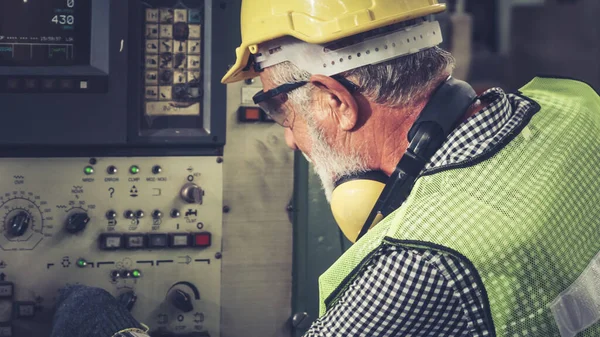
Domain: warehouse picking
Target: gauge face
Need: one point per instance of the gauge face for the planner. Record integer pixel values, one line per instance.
(23, 217)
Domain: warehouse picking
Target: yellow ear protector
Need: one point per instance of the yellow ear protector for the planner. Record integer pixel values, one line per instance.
(361, 201)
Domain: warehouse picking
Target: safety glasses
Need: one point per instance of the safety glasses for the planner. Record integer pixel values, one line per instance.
(273, 101)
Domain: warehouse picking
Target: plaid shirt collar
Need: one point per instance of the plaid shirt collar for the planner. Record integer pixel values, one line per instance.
(483, 131)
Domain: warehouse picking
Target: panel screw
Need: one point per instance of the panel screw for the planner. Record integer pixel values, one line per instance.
(226, 209)
(219, 160)
(218, 256)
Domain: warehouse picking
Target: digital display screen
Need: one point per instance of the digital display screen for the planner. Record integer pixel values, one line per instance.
(45, 32)
(173, 63)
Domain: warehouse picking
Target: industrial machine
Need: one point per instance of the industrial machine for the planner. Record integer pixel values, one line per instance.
(112, 129)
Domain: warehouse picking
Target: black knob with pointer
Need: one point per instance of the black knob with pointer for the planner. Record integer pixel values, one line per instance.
(181, 300)
(18, 224)
(77, 222)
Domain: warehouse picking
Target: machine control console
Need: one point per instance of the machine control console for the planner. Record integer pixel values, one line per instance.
(148, 230)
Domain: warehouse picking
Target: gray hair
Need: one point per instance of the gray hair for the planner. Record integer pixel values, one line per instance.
(399, 82)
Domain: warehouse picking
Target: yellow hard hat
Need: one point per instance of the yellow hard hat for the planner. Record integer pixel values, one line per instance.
(318, 22)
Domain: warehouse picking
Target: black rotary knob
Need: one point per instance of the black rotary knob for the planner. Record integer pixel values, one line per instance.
(77, 222)
(182, 300)
(18, 224)
(128, 299)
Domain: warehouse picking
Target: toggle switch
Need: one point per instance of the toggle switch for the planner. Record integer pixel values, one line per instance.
(129, 215)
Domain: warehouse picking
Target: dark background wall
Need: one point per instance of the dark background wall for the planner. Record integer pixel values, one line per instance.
(560, 38)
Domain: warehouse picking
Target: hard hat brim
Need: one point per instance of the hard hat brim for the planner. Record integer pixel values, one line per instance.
(240, 70)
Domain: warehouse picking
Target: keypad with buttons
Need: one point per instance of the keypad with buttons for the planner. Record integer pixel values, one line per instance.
(173, 61)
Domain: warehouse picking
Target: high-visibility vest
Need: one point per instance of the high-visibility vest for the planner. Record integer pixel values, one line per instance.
(524, 217)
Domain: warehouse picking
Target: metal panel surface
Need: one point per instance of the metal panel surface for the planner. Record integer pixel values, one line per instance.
(557, 39)
(54, 247)
(257, 245)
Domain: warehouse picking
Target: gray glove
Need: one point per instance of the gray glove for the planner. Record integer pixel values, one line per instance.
(90, 312)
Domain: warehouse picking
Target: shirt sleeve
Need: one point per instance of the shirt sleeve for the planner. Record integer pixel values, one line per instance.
(400, 293)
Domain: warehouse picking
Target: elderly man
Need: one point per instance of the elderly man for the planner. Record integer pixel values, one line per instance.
(489, 204)
(472, 216)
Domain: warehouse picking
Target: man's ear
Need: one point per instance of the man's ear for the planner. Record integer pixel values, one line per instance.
(339, 99)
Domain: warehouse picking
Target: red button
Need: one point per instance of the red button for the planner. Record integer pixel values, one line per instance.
(202, 240)
(252, 114)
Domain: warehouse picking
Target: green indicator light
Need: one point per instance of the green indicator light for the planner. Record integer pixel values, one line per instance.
(134, 169)
(136, 274)
(81, 263)
(88, 170)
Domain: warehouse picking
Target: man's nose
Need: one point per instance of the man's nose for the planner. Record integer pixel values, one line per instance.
(289, 139)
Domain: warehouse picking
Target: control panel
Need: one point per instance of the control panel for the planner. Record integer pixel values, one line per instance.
(148, 230)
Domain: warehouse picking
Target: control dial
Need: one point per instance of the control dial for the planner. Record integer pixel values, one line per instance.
(192, 193)
(128, 299)
(18, 224)
(23, 217)
(181, 300)
(77, 222)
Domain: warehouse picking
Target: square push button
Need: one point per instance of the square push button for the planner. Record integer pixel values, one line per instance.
(24, 309)
(31, 84)
(66, 85)
(135, 241)
(111, 241)
(49, 84)
(12, 84)
(180, 240)
(7, 289)
(202, 240)
(158, 240)
(6, 330)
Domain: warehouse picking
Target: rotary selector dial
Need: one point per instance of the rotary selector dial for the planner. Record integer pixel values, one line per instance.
(18, 224)
(24, 216)
(77, 216)
(77, 221)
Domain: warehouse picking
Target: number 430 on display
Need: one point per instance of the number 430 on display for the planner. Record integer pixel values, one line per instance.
(64, 19)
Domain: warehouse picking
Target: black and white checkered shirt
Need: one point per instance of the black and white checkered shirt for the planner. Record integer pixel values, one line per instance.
(414, 293)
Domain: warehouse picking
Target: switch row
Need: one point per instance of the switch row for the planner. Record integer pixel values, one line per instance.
(129, 214)
(113, 241)
(115, 274)
(133, 169)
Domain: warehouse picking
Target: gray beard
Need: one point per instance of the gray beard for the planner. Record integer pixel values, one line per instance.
(330, 164)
